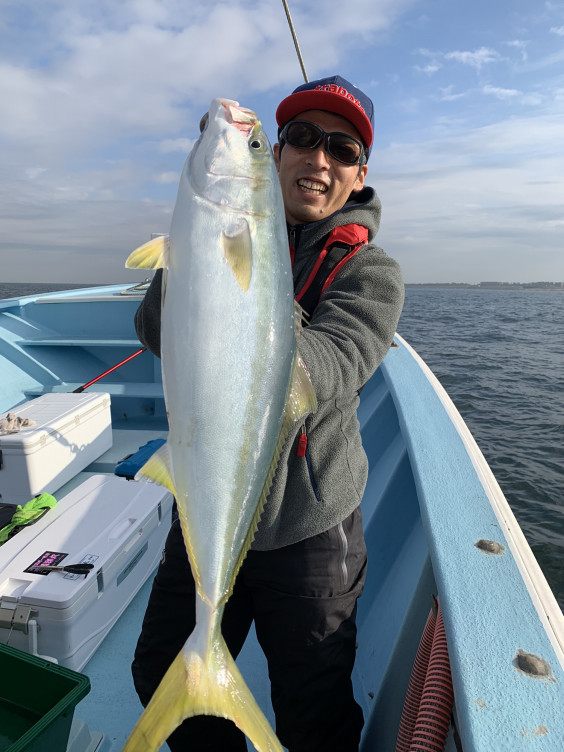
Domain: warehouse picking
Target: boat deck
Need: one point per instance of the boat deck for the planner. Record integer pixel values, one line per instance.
(430, 497)
(112, 707)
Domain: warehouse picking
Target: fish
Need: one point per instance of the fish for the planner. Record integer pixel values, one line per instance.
(234, 386)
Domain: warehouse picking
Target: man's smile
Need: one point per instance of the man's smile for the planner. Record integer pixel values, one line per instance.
(312, 186)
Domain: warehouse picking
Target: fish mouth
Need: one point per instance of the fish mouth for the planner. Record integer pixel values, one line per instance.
(240, 117)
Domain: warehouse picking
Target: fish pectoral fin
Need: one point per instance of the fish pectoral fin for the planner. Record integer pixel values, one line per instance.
(301, 318)
(238, 251)
(301, 399)
(158, 469)
(150, 255)
(196, 685)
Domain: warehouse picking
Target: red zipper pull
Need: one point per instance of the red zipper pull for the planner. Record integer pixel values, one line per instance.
(302, 444)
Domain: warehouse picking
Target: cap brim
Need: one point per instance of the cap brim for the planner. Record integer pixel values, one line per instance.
(329, 102)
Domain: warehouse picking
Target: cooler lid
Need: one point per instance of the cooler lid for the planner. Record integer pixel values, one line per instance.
(91, 524)
(54, 415)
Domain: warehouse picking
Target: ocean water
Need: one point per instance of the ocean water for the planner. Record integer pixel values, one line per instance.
(500, 356)
(19, 289)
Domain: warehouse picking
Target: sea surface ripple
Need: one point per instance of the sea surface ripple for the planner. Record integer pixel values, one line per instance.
(500, 356)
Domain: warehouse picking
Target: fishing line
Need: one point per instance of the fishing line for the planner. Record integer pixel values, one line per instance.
(295, 38)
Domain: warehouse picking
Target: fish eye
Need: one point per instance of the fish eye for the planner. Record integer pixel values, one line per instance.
(204, 121)
(258, 144)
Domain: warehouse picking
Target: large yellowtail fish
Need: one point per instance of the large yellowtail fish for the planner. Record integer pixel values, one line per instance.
(234, 386)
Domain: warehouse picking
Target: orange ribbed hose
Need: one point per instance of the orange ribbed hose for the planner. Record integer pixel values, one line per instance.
(427, 711)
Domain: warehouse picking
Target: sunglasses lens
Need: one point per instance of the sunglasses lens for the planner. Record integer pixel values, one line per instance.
(344, 148)
(304, 135)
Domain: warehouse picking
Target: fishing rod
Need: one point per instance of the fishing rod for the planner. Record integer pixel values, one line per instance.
(113, 368)
(295, 38)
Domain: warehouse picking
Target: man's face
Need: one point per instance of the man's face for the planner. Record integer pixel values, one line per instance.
(314, 184)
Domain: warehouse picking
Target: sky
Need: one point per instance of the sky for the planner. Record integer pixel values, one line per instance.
(101, 101)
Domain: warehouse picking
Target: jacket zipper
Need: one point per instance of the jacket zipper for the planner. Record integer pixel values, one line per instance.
(292, 242)
(303, 451)
(345, 544)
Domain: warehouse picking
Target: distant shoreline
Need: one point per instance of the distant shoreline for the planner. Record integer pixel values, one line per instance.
(21, 289)
(550, 286)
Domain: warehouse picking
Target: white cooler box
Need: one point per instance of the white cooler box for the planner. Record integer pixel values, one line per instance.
(70, 431)
(117, 525)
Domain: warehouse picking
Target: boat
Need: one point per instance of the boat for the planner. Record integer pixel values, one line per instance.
(444, 547)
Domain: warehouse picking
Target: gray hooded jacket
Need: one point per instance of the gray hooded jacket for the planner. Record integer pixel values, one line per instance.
(349, 333)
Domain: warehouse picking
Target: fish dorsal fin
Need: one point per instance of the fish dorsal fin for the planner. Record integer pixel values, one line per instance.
(158, 469)
(150, 255)
(238, 251)
(300, 401)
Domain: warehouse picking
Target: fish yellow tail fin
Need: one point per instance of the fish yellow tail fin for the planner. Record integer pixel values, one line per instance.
(189, 688)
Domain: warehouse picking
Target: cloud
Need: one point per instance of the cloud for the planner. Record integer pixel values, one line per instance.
(103, 101)
(167, 177)
(476, 59)
(453, 205)
(429, 69)
(558, 30)
(506, 95)
(34, 172)
(520, 45)
(448, 95)
(169, 145)
(89, 72)
(127, 73)
(503, 94)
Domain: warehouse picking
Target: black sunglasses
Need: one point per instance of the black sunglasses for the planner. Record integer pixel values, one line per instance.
(304, 135)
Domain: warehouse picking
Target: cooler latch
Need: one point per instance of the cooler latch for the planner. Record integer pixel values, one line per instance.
(15, 618)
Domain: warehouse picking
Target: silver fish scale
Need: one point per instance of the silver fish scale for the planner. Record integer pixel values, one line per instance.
(227, 353)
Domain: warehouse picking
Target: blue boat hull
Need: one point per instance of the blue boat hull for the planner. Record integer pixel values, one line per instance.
(430, 499)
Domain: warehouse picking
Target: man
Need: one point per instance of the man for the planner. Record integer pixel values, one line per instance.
(305, 571)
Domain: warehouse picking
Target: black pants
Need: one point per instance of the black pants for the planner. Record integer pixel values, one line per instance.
(303, 601)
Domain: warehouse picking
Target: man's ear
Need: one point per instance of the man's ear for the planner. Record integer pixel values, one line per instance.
(360, 178)
(276, 153)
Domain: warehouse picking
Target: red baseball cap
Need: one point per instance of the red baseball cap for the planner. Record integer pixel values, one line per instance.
(334, 94)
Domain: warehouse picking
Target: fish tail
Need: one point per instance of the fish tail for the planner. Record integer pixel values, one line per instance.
(195, 686)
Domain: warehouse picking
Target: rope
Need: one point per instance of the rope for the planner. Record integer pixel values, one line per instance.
(27, 515)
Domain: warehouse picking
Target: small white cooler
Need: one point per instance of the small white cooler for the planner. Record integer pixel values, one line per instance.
(70, 431)
(117, 525)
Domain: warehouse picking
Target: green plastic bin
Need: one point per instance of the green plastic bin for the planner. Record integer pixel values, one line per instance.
(37, 701)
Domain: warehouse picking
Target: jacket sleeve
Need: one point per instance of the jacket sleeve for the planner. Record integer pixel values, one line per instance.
(354, 323)
(148, 316)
